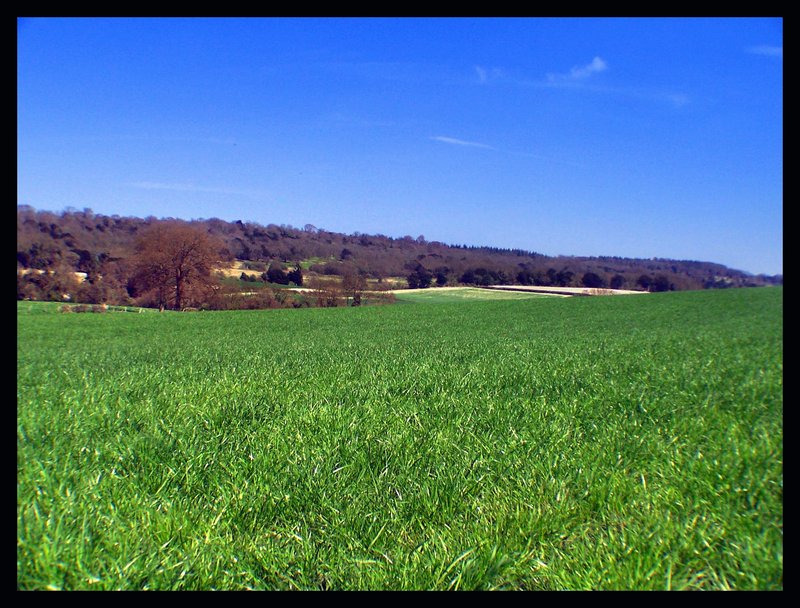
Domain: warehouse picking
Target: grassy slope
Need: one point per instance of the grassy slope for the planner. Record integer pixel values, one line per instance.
(606, 443)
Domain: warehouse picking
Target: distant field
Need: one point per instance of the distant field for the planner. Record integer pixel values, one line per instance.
(454, 294)
(537, 444)
(569, 291)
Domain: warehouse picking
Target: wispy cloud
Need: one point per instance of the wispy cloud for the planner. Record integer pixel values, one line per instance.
(461, 142)
(582, 78)
(485, 75)
(579, 73)
(145, 185)
(474, 144)
(678, 100)
(355, 120)
(766, 50)
(159, 139)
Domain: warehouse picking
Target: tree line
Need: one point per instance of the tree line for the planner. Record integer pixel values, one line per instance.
(175, 265)
(116, 259)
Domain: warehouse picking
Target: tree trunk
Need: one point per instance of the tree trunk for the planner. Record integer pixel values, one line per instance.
(178, 291)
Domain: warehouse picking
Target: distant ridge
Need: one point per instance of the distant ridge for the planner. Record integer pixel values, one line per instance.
(83, 241)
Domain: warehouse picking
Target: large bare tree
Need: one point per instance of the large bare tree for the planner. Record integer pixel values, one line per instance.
(174, 263)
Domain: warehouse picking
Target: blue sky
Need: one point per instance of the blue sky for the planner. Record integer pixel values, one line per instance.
(641, 138)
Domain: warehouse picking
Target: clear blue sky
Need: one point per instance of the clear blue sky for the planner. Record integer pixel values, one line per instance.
(577, 136)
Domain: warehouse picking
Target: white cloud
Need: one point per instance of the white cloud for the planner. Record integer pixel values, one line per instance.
(580, 78)
(597, 65)
(764, 49)
(580, 72)
(461, 142)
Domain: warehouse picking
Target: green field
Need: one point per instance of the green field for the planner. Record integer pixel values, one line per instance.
(466, 294)
(538, 444)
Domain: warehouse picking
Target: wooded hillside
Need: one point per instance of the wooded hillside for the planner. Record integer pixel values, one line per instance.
(100, 245)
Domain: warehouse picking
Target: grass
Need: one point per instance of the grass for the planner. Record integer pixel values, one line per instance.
(586, 443)
(309, 262)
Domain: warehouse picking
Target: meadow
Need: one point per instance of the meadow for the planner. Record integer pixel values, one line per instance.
(535, 444)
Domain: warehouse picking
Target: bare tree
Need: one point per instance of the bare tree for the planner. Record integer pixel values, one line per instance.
(174, 263)
(326, 293)
(353, 285)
